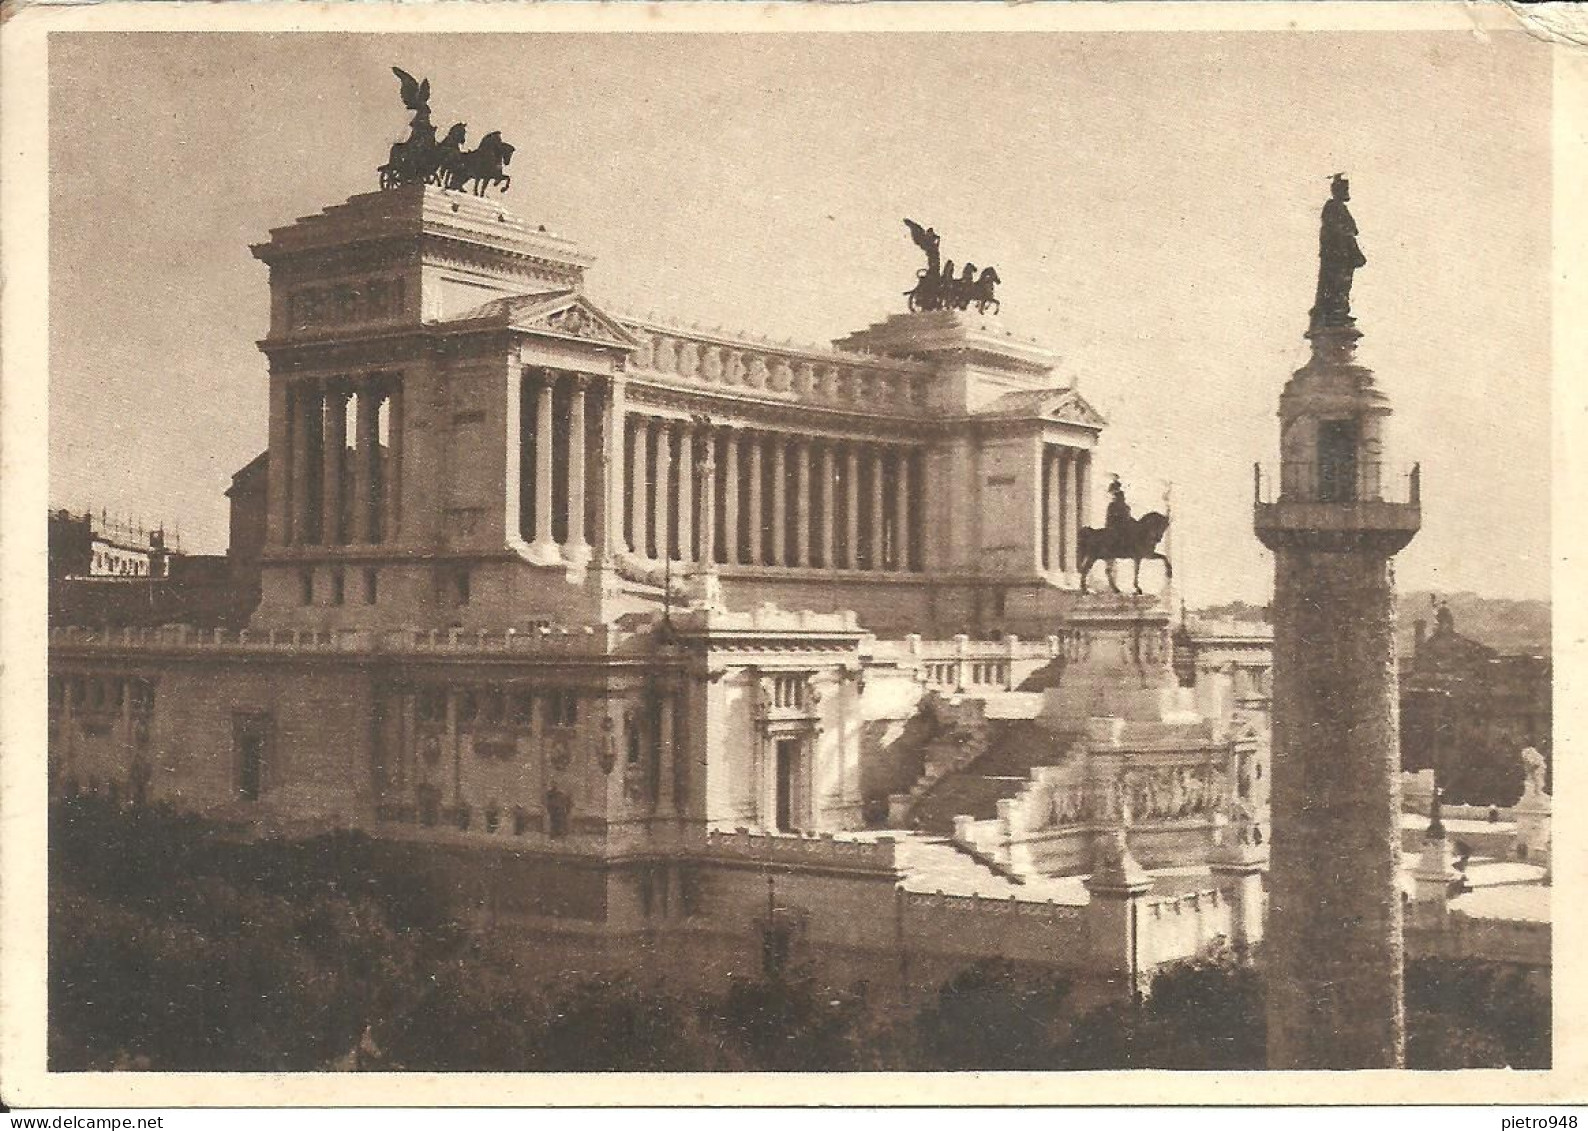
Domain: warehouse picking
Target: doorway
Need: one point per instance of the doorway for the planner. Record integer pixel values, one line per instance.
(788, 758)
(1337, 445)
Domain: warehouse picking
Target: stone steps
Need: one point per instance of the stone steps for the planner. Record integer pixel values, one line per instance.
(973, 788)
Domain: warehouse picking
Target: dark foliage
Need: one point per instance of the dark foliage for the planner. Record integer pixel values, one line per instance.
(788, 1021)
(1203, 1013)
(1472, 1014)
(995, 1016)
(174, 946)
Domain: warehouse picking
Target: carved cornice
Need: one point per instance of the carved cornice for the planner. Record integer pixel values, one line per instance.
(344, 350)
(464, 250)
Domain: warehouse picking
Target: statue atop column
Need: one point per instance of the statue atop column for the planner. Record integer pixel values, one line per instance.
(1339, 256)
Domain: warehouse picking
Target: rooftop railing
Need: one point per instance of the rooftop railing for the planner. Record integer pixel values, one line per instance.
(1345, 481)
(823, 849)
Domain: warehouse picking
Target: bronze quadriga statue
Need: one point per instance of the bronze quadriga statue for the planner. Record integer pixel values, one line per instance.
(421, 159)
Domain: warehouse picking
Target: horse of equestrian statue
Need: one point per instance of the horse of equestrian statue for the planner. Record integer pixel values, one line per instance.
(981, 292)
(1136, 539)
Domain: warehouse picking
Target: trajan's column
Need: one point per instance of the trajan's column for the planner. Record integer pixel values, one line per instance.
(1335, 984)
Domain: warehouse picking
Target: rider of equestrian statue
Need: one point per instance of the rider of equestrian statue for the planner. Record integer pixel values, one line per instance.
(1118, 517)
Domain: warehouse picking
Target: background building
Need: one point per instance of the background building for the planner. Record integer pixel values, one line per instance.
(1467, 711)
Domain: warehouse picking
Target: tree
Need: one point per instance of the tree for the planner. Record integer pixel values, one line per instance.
(1202, 1013)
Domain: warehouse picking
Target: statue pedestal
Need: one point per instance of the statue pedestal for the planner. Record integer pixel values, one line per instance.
(1533, 827)
(975, 358)
(1119, 663)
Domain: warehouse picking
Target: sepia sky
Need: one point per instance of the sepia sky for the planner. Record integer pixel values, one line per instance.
(1150, 200)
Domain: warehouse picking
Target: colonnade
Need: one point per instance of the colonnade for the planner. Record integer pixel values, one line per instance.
(557, 492)
(340, 492)
(694, 492)
(691, 490)
(1066, 489)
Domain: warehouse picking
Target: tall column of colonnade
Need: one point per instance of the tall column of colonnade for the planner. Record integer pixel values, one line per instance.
(556, 495)
(1065, 495)
(757, 497)
(335, 492)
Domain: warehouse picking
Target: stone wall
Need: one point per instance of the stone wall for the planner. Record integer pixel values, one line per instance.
(1457, 935)
(314, 731)
(1181, 926)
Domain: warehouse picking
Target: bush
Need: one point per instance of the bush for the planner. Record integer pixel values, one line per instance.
(995, 1016)
(790, 1022)
(1474, 1014)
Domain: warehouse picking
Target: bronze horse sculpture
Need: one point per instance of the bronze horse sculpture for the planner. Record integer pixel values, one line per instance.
(484, 165)
(1137, 540)
(937, 287)
(421, 159)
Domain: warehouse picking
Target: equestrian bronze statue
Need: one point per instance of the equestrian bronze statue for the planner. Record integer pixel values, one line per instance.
(421, 159)
(1134, 539)
(938, 288)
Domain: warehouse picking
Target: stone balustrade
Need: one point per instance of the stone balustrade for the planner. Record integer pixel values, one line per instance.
(1046, 912)
(858, 382)
(963, 664)
(593, 640)
(765, 618)
(809, 851)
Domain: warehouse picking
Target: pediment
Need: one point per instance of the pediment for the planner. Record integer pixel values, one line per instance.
(574, 316)
(562, 314)
(1061, 406)
(1069, 407)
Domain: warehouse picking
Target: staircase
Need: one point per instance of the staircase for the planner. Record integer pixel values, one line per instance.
(959, 738)
(1009, 750)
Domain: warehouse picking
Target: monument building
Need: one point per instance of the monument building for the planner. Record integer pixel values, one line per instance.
(671, 647)
(461, 437)
(619, 624)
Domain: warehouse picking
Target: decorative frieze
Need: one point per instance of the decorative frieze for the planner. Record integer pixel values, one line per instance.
(838, 380)
(346, 303)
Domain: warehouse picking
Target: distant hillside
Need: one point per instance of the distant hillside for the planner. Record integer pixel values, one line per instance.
(1510, 626)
